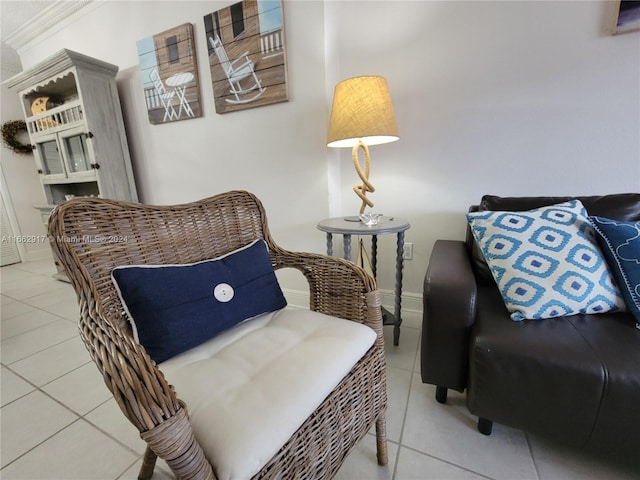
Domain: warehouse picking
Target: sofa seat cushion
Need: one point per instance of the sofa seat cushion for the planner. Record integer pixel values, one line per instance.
(616, 343)
(542, 377)
(250, 388)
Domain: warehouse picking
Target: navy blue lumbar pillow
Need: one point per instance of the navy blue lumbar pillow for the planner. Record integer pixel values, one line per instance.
(620, 244)
(177, 307)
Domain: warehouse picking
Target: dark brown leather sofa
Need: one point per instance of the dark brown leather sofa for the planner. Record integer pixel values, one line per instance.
(575, 379)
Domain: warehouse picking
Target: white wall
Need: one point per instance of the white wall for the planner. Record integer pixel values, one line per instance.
(509, 98)
(277, 151)
(20, 183)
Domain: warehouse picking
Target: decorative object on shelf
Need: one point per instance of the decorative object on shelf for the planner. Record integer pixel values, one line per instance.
(10, 131)
(44, 103)
(362, 115)
(627, 17)
(169, 72)
(247, 55)
(41, 105)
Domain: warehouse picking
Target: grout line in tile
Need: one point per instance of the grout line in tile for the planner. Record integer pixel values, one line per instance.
(417, 353)
(404, 422)
(26, 299)
(35, 387)
(401, 445)
(107, 434)
(58, 317)
(448, 462)
(79, 417)
(36, 307)
(39, 351)
(47, 438)
(129, 468)
(35, 326)
(39, 388)
(89, 361)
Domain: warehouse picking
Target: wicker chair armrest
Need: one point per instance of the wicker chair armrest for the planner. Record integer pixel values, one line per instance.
(137, 384)
(141, 391)
(337, 287)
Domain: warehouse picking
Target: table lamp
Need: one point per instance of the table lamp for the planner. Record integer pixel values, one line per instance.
(362, 115)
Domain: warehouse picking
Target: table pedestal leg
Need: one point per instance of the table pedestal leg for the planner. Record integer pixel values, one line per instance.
(374, 255)
(399, 264)
(329, 244)
(347, 246)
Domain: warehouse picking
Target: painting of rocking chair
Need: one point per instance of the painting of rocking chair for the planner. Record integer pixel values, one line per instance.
(247, 55)
(237, 71)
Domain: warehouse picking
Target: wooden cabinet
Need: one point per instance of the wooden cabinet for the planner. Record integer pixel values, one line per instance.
(73, 116)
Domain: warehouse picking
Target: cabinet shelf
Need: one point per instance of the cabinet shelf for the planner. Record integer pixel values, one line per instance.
(57, 192)
(89, 176)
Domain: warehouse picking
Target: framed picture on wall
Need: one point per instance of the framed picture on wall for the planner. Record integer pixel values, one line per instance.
(628, 17)
(247, 55)
(169, 73)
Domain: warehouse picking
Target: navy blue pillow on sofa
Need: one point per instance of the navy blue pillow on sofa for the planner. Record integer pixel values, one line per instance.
(177, 307)
(620, 244)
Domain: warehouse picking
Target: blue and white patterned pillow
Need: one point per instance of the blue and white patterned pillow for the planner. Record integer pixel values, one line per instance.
(620, 243)
(546, 261)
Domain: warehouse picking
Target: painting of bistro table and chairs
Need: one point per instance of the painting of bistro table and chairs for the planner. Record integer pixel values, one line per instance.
(247, 57)
(169, 73)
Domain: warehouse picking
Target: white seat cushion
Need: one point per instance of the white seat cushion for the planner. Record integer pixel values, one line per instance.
(250, 388)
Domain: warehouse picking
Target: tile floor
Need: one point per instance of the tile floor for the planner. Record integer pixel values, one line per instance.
(59, 422)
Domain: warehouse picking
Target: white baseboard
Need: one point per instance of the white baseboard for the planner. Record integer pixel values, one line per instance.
(410, 305)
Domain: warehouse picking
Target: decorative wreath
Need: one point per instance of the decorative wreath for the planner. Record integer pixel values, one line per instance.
(9, 131)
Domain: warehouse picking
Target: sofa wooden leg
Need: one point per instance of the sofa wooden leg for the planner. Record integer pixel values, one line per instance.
(441, 394)
(484, 426)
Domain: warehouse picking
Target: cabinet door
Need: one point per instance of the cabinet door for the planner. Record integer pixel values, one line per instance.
(75, 152)
(50, 158)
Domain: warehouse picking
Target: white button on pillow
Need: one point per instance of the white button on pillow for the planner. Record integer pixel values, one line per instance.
(223, 292)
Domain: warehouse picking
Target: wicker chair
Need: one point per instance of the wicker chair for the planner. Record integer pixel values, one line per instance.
(91, 236)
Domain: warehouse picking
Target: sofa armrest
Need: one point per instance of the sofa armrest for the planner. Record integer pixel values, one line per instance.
(449, 313)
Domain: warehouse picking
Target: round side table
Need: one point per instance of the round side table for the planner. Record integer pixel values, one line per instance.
(387, 225)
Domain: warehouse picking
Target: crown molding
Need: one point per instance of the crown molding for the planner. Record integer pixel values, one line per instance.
(50, 20)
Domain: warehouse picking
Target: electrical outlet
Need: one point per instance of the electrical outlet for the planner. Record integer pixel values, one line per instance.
(407, 251)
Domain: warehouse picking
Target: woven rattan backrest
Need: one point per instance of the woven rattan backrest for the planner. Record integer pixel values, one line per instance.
(92, 236)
